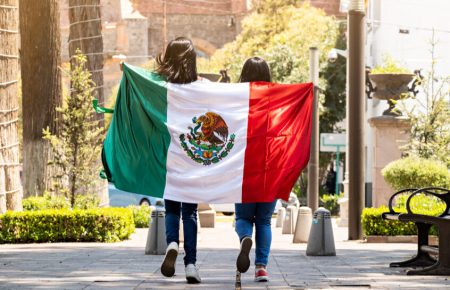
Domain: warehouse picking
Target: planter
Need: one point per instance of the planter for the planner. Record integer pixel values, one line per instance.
(391, 87)
(433, 240)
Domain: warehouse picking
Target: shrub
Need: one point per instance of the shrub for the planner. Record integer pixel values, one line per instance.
(45, 202)
(59, 202)
(414, 172)
(65, 225)
(330, 202)
(141, 215)
(374, 225)
(86, 201)
(390, 66)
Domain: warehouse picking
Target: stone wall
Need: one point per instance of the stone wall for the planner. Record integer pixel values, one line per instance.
(211, 23)
(203, 7)
(211, 31)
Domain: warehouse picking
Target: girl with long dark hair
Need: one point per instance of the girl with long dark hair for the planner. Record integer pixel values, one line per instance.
(258, 213)
(178, 65)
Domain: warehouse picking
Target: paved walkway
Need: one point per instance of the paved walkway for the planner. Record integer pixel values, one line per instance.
(124, 265)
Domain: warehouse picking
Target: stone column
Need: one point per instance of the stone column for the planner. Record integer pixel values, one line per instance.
(390, 133)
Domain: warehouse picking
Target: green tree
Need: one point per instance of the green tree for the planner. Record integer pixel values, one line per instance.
(332, 106)
(430, 115)
(278, 29)
(334, 75)
(76, 148)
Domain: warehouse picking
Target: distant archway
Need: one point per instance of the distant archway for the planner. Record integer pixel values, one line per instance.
(204, 46)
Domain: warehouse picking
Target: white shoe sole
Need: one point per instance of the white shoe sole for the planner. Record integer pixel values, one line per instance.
(168, 265)
(243, 259)
(262, 279)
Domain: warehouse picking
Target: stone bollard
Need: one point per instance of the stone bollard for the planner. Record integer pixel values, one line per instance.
(321, 240)
(303, 226)
(206, 216)
(294, 218)
(280, 217)
(288, 223)
(181, 231)
(156, 237)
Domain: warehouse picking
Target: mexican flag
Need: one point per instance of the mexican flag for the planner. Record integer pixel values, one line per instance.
(207, 142)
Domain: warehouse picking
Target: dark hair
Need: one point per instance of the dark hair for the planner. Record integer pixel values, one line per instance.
(255, 69)
(178, 65)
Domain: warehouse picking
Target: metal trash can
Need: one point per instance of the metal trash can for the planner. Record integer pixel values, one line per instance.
(280, 217)
(156, 237)
(321, 240)
(289, 220)
(303, 225)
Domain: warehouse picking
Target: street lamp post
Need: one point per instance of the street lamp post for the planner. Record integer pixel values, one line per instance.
(355, 117)
(313, 165)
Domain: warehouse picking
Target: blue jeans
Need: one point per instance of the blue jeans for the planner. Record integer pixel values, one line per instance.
(189, 214)
(260, 214)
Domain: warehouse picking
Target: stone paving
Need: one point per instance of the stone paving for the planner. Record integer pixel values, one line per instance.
(124, 266)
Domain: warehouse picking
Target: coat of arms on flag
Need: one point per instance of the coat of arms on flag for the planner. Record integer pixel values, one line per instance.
(211, 144)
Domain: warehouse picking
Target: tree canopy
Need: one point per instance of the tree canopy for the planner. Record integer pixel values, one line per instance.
(282, 34)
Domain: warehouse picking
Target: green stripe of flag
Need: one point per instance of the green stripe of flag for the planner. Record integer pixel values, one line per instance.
(140, 117)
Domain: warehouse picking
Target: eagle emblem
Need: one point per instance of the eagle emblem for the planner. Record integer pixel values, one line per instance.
(208, 141)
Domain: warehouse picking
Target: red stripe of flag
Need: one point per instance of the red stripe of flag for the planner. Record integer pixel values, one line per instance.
(278, 139)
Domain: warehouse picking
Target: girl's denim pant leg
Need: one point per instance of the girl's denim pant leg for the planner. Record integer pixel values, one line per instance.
(259, 214)
(189, 215)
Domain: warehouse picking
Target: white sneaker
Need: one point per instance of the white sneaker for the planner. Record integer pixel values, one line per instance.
(192, 275)
(168, 264)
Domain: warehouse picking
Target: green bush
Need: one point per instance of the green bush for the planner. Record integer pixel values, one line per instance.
(65, 225)
(390, 66)
(86, 201)
(141, 215)
(330, 202)
(59, 202)
(374, 225)
(416, 173)
(45, 202)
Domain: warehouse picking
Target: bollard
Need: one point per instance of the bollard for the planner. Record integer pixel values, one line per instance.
(181, 231)
(288, 223)
(156, 237)
(294, 218)
(321, 240)
(303, 225)
(280, 217)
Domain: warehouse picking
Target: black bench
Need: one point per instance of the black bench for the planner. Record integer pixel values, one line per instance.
(425, 252)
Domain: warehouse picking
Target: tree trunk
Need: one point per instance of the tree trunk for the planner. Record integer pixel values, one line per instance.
(10, 185)
(41, 87)
(86, 35)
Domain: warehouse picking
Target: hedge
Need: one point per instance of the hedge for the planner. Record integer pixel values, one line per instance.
(65, 225)
(415, 172)
(141, 215)
(330, 202)
(45, 202)
(374, 225)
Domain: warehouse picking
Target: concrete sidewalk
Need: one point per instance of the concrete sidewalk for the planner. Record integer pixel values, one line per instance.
(124, 265)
